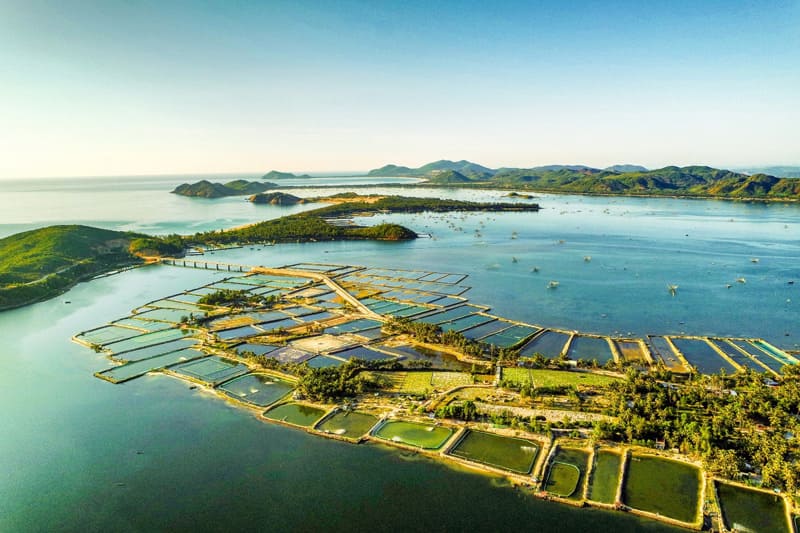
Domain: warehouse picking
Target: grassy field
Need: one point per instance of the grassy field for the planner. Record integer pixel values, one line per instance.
(555, 378)
(424, 382)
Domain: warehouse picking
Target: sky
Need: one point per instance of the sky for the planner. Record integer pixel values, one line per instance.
(160, 87)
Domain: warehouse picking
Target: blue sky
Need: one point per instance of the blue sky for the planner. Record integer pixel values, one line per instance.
(107, 88)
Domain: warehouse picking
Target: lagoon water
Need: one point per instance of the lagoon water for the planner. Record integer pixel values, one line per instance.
(80, 453)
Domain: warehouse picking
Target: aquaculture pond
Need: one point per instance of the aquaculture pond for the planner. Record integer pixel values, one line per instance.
(604, 480)
(258, 389)
(662, 486)
(567, 472)
(548, 343)
(702, 356)
(737, 356)
(156, 349)
(351, 424)
(508, 453)
(135, 369)
(425, 436)
(631, 351)
(662, 349)
(590, 348)
(295, 413)
(751, 510)
(212, 369)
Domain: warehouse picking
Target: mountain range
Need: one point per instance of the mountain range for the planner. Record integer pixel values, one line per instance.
(698, 181)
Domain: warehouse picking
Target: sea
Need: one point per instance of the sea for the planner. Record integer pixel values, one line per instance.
(78, 453)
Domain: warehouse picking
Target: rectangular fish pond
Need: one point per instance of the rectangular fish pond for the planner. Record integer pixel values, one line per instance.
(737, 356)
(148, 339)
(702, 356)
(604, 479)
(425, 436)
(212, 369)
(135, 369)
(590, 348)
(631, 351)
(662, 486)
(548, 343)
(350, 424)
(567, 472)
(661, 349)
(258, 389)
(295, 413)
(770, 362)
(507, 453)
(155, 349)
(751, 510)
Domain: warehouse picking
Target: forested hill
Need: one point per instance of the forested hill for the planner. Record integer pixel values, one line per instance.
(689, 181)
(40, 263)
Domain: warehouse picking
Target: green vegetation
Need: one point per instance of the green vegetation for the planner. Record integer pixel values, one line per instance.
(236, 298)
(207, 189)
(734, 423)
(169, 245)
(331, 384)
(690, 181)
(554, 378)
(275, 198)
(38, 264)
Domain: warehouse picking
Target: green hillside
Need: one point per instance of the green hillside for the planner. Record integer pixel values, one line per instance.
(40, 263)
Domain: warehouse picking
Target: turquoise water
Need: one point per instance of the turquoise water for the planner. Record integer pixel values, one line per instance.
(71, 460)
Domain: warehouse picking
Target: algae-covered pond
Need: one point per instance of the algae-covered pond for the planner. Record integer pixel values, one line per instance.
(295, 413)
(662, 486)
(751, 510)
(508, 453)
(426, 436)
(258, 389)
(349, 424)
(567, 472)
(604, 480)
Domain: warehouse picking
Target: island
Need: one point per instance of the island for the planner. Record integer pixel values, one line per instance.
(40, 264)
(208, 189)
(275, 198)
(626, 180)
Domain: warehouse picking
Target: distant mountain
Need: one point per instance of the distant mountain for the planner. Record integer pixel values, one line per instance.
(625, 168)
(391, 170)
(207, 189)
(779, 171)
(465, 168)
(277, 175)
(697, 181)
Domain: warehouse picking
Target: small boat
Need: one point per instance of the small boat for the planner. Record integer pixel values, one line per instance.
(754, 259)
(741, 280)
(587, 258)
(552, 285)
(535, 269)
(513, 259)
(673, 289)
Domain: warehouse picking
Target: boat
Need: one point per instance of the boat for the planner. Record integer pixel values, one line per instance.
(552, 285)
(587, 258)
(754, 259)
(741, 280)
(673, 289)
